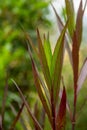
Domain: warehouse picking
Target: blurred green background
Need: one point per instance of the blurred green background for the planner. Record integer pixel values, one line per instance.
(15, 62)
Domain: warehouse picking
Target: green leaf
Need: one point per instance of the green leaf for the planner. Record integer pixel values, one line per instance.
(48, 52)
(40, 91)
(61, 115)
(57, 61)
(61, 26)
(44, 62)
(70, 14)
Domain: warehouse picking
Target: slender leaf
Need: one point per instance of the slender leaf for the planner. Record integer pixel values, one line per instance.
(57, 61)
(67, 104)
(75, 57)
(41, 94)
(82, 76)
(61, 26)
(17, 118)
(79, 23)
(48, 52)
(70, 14)
(43, 61)
(61, 115)
(27, 106)
(42, 118)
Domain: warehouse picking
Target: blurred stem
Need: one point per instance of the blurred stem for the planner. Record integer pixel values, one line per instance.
(53, 110)
(74, 111)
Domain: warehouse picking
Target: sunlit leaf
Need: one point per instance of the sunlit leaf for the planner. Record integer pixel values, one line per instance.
(48, 52)
(57, 61)
(70, 14)
(82, 76)
(61, 116)
(41, 93)
(44, 62)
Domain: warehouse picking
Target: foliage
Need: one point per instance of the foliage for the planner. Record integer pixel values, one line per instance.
(14, 15)
(50, 84)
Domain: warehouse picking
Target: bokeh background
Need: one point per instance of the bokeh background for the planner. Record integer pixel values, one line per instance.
(15, 62)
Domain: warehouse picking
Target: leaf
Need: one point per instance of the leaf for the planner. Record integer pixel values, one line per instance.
(43, 61)
(79, 23)
(75, 58)
(27, 106)
(47, 50)
(70, 14)
(61, 26)
(17, 118)
(41, 94)
(57, 61)
(61, 115)
(67, 104)
(82, 76)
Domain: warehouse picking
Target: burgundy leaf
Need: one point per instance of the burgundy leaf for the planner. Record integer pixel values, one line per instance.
(75, 58)
(61, 116)
(82, 76)
(67, 104)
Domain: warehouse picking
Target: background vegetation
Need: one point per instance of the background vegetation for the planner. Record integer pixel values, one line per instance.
(15, 62)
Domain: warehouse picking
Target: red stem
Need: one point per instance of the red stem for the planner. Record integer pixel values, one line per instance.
(53, 110)
(74, 111)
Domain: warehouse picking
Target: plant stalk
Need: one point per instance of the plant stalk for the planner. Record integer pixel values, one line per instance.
(74, 111)
(53, 110)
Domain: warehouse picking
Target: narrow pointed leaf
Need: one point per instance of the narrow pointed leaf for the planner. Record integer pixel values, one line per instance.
(61, 26)
(48, 52)
(75, 58)
(32, 44)
(61, 116)
(39, 79)
(70, 15)
(82, 76)
(67, 104)
(43, 61)
(40, 92)
(79, 21)
(28, 108)
(17, 118)
(57, 62)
